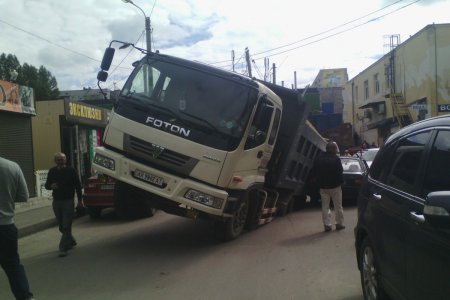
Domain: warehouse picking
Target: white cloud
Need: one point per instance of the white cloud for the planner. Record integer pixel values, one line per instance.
(69, 37)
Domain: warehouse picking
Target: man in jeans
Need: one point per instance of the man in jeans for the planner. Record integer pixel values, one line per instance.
(329, 175)
(13, 188)
(63, 180)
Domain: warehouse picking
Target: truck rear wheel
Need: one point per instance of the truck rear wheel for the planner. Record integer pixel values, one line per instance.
(233, 227)
(130, 202)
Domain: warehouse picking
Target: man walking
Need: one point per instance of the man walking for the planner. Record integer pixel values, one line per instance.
(328, 169)
(63, 181)
(13, 188)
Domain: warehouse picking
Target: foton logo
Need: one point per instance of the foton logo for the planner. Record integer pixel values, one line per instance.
(167, 126)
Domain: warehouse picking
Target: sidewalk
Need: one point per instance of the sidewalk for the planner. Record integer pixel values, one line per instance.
(34, 215)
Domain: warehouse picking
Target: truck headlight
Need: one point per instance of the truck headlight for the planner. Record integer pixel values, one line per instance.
(203, 198)
(105, 162)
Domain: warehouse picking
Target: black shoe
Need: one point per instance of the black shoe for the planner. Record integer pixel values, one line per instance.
(62, 253)
(339, 227)
(73, 244)
(327, 228)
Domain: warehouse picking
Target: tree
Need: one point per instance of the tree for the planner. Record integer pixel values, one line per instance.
(41, 80)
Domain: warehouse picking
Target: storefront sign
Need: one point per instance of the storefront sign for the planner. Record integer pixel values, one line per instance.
(443, 107)
(78, 112)
(16, 98)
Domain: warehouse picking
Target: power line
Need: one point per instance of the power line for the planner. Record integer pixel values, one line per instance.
(342, 31)
(331, 29)
(48, 41)
(326, 31)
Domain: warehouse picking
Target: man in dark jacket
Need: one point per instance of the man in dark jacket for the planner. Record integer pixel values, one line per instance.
(63, 180)
(328, 171)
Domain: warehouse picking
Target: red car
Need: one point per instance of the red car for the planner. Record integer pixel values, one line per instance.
(98, 194)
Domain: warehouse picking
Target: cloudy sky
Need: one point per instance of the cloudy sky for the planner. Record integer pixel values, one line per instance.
(69, 37)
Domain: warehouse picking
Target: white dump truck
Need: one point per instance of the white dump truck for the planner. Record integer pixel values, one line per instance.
(200, 142)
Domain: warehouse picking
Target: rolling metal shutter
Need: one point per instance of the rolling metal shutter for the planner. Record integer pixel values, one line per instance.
(16, 144)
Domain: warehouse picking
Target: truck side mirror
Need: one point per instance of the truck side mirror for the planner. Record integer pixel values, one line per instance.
(260, 137)
(107, 58)
(102, 76)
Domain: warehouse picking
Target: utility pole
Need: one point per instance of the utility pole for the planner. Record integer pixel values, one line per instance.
(148, 34)
(266, 69)
(247, 58)
(147, 26)
(295, 79)
(274, 74)
(232, 59)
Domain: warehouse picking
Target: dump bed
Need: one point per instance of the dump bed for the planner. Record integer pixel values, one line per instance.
(297, 145)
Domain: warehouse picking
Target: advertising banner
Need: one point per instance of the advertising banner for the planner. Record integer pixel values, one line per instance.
(16, 98)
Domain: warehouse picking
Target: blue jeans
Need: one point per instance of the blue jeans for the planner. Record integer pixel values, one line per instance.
(64, 211)
(10, 262)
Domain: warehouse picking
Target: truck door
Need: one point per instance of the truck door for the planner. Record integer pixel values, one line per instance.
(261, 138)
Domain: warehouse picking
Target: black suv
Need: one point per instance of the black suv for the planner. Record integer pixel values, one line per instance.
(402, 237)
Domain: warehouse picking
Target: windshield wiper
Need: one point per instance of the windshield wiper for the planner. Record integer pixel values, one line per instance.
(211, 126)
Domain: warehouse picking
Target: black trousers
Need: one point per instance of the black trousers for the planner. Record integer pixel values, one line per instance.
(64, 212)
(10, 262)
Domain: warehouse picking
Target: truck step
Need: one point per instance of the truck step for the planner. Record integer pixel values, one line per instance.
(265, 220)
(270, 210)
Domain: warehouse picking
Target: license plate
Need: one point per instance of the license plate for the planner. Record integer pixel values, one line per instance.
(148, 177)
(107, 187)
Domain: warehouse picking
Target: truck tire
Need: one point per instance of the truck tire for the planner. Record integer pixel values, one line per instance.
(130, 202)
(94, 212)
(232, 228)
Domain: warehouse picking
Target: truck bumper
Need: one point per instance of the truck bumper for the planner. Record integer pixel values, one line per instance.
(161, 183)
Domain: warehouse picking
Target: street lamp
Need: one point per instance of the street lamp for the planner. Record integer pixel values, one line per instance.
(147, 26)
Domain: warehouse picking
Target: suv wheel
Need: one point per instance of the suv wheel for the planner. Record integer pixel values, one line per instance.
(370, 273)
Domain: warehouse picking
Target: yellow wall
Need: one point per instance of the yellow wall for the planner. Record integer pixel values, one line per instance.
(46, 132)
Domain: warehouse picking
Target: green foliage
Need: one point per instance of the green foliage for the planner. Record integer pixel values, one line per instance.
(41, 80)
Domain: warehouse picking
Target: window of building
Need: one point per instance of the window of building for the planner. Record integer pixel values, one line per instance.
(356, 94)
(388, 76)
(366, 89)
(376, 82)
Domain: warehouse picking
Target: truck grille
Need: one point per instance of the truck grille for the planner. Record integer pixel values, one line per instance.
(154, 154)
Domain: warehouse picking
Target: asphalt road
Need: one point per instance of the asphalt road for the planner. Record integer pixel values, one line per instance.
(169, 257)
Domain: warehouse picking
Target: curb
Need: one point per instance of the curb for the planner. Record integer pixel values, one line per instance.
(28, 230)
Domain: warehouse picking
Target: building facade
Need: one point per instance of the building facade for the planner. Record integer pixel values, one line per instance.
(408, 84)
(72, 127)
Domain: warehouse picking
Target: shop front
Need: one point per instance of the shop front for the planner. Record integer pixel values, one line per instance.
(16, 112)
(72, 127)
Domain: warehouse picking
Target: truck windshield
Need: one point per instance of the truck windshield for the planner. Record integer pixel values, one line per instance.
(210, 102)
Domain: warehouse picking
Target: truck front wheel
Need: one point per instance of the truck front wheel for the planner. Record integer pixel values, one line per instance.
(233, 227)
(130, 202)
